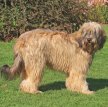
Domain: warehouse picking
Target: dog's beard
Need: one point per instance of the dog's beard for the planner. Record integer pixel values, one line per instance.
(89, 45)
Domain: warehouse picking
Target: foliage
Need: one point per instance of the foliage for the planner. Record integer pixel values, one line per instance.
(99, 13)
(18, 16)
(23, 15)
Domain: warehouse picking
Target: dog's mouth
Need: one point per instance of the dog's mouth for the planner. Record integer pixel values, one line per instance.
(89, 45)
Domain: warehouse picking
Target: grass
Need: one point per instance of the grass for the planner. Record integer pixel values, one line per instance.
(53, 85)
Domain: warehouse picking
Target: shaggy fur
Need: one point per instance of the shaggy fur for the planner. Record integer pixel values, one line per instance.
(70, 53)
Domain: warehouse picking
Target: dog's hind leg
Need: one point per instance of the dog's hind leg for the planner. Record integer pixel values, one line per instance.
(33, 70)
(77, 82)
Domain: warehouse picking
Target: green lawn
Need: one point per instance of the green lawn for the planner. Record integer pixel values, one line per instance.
(53, 85)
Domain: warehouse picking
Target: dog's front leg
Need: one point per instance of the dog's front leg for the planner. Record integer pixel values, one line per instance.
(77, 82)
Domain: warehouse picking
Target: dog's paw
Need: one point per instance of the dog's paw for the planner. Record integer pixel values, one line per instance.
(38, 92)
(88, 92)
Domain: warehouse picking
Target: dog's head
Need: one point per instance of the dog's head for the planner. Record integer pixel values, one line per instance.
(92, 37)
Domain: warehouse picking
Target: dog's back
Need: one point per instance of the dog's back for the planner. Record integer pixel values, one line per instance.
(55, 48)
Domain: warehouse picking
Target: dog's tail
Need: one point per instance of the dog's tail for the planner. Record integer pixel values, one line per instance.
(17, 66)
(10, 72)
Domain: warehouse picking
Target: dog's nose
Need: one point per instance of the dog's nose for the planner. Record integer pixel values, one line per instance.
(89, 39)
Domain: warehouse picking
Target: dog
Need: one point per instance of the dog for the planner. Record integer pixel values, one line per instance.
(70, 53)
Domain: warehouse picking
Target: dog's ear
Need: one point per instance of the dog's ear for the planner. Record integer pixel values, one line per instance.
(79, 41)
(101, 39)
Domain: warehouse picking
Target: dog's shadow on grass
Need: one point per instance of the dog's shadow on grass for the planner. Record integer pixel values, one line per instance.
(58, 85)
(94, 85)
(97, 84)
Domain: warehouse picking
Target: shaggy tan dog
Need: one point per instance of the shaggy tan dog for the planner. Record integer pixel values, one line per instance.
(70, 53)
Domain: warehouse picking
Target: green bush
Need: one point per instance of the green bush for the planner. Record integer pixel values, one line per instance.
(99, 13)
(24, 15)
(18, 16)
